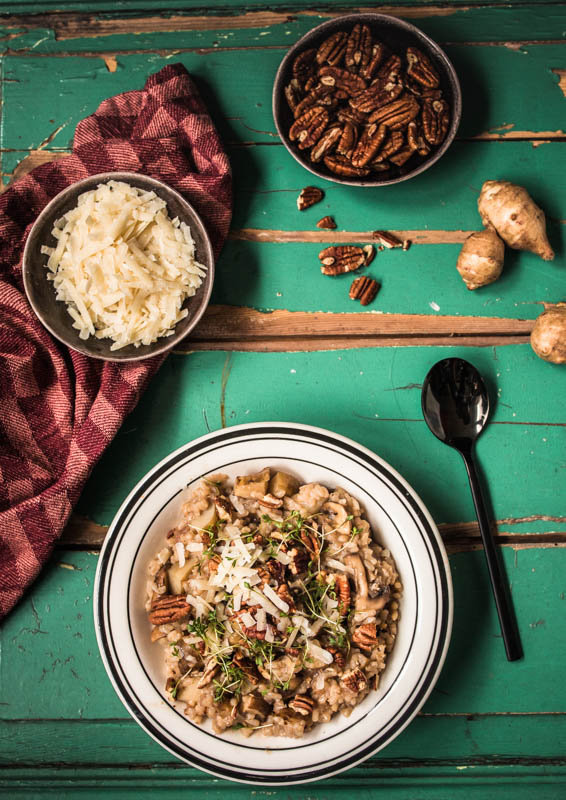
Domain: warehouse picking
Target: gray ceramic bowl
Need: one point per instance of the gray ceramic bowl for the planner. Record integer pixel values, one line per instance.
(398, 35)
(53, 313)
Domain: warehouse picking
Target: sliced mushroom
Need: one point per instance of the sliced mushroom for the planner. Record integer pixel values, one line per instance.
(255, 705)
(363, 601)
(338, 516)
(282, 484)
(252, 485)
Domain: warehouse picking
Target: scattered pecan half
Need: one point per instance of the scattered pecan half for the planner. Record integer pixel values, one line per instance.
(308, 197)
(354, 680)
(338, 259)
(326, 223)
(302, 704)
(364, 289)
(365, 636)
(168, 608)
(344, 593)
(369, 251)
(387, 239)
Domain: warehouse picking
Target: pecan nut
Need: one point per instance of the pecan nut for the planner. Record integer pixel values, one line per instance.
(325, 144)
(338, 655)
(310, 541)
(344, 593)
(326, 223)
(364, 289)
(168, 608)
(402, 156)
(376, 57)
(387, 239)
(358, 48)
(365, 636)
(420, 69)
(354, 680)
(308, 128)
(332, 49)
(210, 672)
(398, 114)
(382, 91)
(320, 95)
(436, 119)
(338, 259)
(270, 502)
(304, 66)
(348, 139)
(369, 251)
(276, 570)
(293, 94)
(299, 560)
(302, 704)
(392, 144)
(249, 632)
(370, 141)
(308, 197)
(285, 594)
(343, 166)
(342, 79)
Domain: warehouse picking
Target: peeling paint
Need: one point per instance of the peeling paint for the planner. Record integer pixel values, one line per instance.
(111, 63)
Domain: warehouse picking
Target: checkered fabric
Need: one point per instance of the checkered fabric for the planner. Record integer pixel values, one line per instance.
(59, 410)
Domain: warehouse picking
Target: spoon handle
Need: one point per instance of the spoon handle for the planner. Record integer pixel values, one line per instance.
(499, 585)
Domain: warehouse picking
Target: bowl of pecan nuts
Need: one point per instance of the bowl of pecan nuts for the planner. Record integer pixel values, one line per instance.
(366, 100)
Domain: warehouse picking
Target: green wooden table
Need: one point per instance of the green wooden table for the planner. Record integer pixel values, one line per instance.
(282, 342)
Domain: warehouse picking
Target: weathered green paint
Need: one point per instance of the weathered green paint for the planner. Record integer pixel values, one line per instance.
(51, 669)
(490, 729)
(63, 90)
(534, 22)
(357, 393)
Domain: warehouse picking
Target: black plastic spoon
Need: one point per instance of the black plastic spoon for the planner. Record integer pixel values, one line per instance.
(455, 405)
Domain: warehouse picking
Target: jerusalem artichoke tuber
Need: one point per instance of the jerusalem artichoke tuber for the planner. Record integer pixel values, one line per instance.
(548, 337)
(481, 258)
(515, 216)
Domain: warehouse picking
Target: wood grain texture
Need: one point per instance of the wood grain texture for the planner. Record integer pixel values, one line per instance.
(83, 533)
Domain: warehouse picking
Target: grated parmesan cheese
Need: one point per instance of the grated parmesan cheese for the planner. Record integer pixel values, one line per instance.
(180, 548)
(122, 265)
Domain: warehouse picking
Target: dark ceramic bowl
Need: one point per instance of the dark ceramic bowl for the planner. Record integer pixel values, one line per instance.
(397, 35)
(53, 313)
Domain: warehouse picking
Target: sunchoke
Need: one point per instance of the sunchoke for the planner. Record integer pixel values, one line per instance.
(481, 258)
(548, 337)
(515, 216)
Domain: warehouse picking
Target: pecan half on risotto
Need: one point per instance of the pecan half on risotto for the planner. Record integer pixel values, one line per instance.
(273, 603)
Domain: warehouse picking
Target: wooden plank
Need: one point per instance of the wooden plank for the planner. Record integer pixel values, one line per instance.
(470, 739)
(458, 537)
(484, 781)
(283, 330)
(219, 26)
(372, 396)
(50, 661)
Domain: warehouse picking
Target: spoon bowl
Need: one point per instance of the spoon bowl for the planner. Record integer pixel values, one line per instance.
(455, 402)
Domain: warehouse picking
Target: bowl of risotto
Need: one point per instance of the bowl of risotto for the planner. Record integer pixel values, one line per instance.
(273, 603)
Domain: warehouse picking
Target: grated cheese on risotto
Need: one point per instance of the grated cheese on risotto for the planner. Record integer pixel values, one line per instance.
(122, 265)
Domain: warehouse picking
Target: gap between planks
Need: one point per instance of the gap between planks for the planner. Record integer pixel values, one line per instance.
(83, 533)
(246, 329)
(67, 26)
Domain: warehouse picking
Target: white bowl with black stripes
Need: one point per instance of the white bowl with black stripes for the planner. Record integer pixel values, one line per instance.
(401, 523)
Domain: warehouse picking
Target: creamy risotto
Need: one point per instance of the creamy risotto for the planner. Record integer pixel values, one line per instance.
(273, 603)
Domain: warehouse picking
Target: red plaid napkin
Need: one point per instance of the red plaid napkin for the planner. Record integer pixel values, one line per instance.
(58, 409)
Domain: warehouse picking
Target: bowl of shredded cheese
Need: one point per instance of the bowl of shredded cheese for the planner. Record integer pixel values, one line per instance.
(118, 266)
